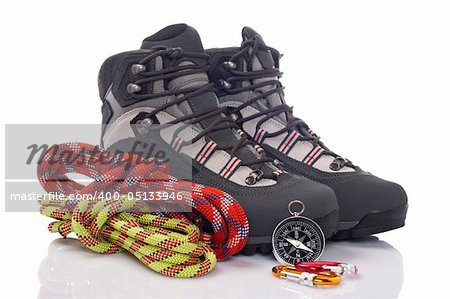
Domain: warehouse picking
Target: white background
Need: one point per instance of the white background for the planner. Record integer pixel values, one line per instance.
(371, 77)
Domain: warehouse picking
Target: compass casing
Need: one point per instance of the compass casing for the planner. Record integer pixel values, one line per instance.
(300, 231)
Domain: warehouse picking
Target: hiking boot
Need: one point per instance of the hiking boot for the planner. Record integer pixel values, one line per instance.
(166, 84)
(248, 86)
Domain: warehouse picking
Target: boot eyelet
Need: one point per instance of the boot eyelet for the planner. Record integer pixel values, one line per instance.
(224, 84)
(334, 166)
(229, 65)
(254, 177)
(137, 68)
(278, 163)
(133, 88)
(234, 116)
(177, 52)
(337, 164)
(250, 180)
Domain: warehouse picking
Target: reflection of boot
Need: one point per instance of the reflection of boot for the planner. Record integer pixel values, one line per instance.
(72, 271)
(163, 85)
(249, 86)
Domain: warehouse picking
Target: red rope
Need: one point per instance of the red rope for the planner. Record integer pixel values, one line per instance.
(129, 174)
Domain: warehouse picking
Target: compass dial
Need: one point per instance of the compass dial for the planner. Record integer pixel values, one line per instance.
(297, 239)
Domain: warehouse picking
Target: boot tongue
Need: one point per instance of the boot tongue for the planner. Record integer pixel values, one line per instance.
(177, 35)
(263, 60)
(187, 38)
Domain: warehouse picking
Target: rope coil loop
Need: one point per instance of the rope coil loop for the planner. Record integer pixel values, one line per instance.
(167, 242)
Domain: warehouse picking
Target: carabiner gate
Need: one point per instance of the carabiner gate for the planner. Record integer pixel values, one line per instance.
(306, 278)
(321, 267)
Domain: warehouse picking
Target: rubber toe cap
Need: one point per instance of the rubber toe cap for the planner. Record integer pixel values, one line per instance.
(365, 194)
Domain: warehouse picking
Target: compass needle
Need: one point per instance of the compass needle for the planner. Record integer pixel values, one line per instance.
(304, 247)
(292, 241)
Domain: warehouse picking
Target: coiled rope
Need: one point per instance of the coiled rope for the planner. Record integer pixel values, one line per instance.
(167, 242)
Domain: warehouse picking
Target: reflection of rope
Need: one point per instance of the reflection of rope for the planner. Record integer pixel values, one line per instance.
(168, 246)
(168, 243)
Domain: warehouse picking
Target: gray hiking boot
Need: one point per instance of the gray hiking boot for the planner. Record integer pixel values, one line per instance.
(248, 86)
(166, 84)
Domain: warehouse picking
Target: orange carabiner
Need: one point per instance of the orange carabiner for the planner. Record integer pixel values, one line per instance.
(306, 278)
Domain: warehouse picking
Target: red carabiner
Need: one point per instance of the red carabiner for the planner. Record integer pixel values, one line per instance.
(321, 267)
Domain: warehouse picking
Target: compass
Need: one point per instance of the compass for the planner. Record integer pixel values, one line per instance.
(297, 239)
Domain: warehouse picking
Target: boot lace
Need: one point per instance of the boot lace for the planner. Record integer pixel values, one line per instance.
(219, 119)
(247, 51)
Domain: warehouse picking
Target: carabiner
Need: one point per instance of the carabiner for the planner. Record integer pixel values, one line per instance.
(321, 267)
(305, 278)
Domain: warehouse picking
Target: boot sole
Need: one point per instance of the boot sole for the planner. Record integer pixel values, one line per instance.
(263, 244)
(374, 222)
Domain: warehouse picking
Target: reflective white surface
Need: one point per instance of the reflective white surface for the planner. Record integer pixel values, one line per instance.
(71, 271)
(372, 77)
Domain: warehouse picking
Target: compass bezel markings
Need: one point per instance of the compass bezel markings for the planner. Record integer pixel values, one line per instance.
(296, 228)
